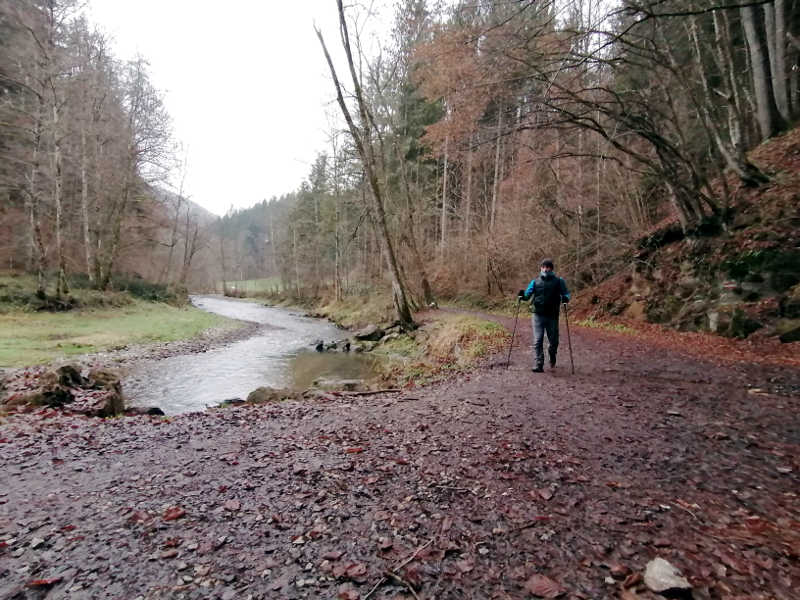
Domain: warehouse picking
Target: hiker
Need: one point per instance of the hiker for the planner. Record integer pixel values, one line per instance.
(547, 291)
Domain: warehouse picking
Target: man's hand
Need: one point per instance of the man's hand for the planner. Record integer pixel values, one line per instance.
(521, 294)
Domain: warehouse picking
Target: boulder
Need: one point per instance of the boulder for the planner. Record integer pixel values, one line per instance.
(132, 411)
(103, 379)
(50, 394)
(70, 376)
(348, 385)
(265, 394)
(370, 333)
(109, 402)
(788, 330)
(106, 403)
(390, 337)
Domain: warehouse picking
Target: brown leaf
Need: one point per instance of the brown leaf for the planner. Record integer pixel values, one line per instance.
(384, 544)
(619, 571)
(626, 594)
(447, 523)
(346, 592)
(632, 580)
(43, 582)
(333, 555)
(354, 450)
(357, 571)
(172, 542)
(139, 516)
(543, 587)
(465, 566)
(169, 553)
(174, 512)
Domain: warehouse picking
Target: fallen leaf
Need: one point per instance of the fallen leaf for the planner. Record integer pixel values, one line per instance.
(465, 566)
(346, 592)
(139, 516)
(354, 450)
(333, 555)
(172, 513)
(384, 544)
(543, 587)
(357, 572)
(632, 580)
(44, 582)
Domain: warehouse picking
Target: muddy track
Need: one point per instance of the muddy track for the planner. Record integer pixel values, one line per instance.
(465, 489)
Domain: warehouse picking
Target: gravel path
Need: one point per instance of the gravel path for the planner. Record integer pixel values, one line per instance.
(500, 484)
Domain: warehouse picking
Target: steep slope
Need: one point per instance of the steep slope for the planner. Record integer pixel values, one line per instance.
(740, 279)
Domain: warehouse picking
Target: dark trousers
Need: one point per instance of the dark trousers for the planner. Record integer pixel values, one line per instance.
(542, 325)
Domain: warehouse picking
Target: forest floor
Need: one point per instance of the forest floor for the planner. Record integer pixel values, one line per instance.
(502, 483)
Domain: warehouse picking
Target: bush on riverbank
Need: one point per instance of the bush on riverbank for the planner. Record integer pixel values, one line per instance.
(18, 293)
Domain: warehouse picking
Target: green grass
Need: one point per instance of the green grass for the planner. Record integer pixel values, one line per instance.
(28, 338)
(255, 286)
(618, 327)
(448, 344)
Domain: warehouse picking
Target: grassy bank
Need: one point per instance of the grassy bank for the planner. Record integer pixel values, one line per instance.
(30, 338)
(443, 345)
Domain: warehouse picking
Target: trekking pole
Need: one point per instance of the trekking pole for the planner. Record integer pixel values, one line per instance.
(569, 340)
(513, 331)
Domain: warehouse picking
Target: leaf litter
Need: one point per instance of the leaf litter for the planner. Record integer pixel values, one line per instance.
(506, 484)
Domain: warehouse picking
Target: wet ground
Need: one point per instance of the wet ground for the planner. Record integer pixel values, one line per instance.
(500, 484)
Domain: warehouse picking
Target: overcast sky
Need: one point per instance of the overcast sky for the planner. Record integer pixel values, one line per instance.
(245, 82)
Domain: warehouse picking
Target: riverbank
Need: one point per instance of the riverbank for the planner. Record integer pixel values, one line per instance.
(200, 332)
(499, 482)
(33, 338)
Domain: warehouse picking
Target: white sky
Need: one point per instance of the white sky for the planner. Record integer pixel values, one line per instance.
(245, 82)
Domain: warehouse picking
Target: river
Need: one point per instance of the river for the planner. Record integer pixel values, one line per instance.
(281, 355)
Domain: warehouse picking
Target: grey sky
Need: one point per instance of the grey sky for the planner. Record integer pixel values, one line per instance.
(245, 82)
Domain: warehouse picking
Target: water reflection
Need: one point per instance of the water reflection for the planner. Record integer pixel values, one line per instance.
(278, 357)
(306, 368)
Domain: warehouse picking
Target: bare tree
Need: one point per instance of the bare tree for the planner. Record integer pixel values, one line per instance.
(362, 138)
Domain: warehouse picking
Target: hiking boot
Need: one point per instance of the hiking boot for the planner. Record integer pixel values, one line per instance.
(552, 363)
(538, 369)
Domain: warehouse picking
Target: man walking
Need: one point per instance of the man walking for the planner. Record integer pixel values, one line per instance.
(547, 292)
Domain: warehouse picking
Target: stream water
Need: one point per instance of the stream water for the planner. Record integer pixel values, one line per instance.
(281, 355)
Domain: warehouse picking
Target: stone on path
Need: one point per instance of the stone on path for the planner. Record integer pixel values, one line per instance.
(661, 576)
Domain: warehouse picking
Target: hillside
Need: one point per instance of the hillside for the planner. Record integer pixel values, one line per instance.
(739, 280)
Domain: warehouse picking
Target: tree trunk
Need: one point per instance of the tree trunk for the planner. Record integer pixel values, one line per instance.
(174, 236)
(770, 121)
(496, 182)
(190, 247)
(87, 243)
(366, 152)
(38, 248)
(775, 28)
(116, 232)
(62, 288)
(468, 198)
(443, 238)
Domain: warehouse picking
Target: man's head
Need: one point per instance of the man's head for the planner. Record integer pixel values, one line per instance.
(546, 265)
